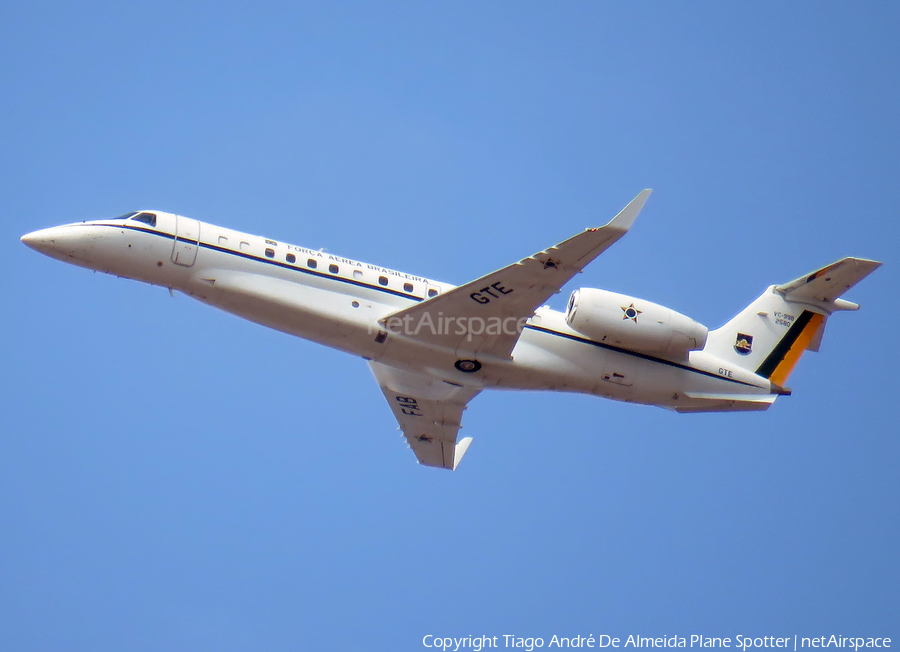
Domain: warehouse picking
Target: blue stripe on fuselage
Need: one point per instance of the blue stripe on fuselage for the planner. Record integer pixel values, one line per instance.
(540, 329)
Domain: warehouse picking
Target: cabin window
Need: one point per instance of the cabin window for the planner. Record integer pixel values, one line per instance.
(311, 263)
(407, 287)
(382, 280)
(245, 245)
(270, 253)
(357, 273)
(223, 240)
(333, 269)
(432, 292)
(291, 258)
(146, 218)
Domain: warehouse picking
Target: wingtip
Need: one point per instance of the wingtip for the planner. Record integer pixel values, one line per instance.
(627, 215)
(461, 447)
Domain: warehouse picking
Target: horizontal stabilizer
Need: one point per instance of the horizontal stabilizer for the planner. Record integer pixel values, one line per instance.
(716, 402)
(824, 287)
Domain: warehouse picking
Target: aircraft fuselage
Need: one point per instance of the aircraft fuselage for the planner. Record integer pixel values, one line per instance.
(338, 302)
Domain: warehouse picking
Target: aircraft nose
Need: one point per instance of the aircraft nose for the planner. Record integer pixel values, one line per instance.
(41, 240)
(66, 243)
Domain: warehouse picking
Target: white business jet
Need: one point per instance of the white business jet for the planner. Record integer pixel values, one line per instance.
(433, 347)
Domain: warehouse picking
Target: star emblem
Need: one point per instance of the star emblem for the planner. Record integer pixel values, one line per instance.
(631, 312)
(550, 263)
(425, 438)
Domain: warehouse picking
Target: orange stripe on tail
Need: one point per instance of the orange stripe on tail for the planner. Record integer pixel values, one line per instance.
(790, 349)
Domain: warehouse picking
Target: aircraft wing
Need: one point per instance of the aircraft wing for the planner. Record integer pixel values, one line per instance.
(481, 317)
(429, 412)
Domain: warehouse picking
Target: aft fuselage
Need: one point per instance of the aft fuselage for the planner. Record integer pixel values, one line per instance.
(342, 303)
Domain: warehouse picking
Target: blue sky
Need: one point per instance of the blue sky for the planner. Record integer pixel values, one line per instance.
(173, 478)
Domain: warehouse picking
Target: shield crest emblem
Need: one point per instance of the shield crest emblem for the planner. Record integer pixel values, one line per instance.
(743, 344)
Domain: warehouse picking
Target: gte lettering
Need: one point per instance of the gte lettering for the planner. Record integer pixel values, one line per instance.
(409, 405)
(484, 294)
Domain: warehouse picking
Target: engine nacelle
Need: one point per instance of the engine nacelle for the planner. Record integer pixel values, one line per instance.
(635, 324)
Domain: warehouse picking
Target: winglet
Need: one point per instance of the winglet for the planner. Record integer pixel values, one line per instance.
(461, 447)
(627, 215)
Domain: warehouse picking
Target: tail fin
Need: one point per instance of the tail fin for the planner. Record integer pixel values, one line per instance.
(769, 336)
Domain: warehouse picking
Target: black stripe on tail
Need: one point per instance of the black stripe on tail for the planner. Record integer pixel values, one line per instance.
(768, 366)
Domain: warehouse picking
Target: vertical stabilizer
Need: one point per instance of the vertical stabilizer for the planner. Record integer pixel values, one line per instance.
(769, 336)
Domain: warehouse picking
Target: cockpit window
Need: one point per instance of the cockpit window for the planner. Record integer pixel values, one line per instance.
(125, 216)
(146, 218)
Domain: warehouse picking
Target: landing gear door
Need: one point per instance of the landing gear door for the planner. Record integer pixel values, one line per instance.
(187, 240)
